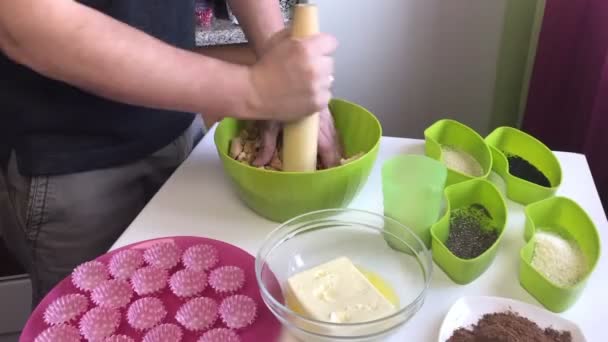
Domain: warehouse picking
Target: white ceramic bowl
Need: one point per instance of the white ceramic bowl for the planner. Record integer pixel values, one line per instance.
(468, 310)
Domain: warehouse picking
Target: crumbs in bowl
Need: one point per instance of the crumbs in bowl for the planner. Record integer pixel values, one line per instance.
(246, 146)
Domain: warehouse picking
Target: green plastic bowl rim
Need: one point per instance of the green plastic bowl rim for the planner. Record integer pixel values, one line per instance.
(503, 207)
(376, 123)
(543, 146)
(596, 236)
(470, 130)
(420, 298)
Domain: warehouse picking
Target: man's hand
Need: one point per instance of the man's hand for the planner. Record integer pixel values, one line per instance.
(329, 146)
(269, 133)
(293, 77)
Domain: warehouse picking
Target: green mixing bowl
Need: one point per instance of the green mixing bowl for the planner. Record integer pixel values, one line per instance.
(562, 216)
(280, 196)
(514, 141)
(455, 134)
(475, 191)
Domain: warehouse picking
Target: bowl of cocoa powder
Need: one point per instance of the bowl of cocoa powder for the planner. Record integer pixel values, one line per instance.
(496, 319)
(278, 195)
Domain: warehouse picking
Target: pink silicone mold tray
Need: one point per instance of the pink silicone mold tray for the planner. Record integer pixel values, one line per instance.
(95, 301)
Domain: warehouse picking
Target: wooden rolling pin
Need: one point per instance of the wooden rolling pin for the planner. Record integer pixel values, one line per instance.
(300, 137)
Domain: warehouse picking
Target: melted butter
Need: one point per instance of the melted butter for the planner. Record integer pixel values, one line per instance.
(294, 304)
(383, 286)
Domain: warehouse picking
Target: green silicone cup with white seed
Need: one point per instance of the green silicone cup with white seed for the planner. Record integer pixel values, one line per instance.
(461, 195)
(566, 218)
(455, 134)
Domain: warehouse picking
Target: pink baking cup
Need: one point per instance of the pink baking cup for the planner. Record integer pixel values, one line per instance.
(149, 279)
(146, 313)
(220, 335)
(201, 257)
(238, 311)
(119, 338)
(87, 276)
(167, 332)
(124, 263)
(66, 308)
(112, 294)
(59, 333)
(227, 279)
(188, 283)
(162, 255)
(198, 314)
(99, 323)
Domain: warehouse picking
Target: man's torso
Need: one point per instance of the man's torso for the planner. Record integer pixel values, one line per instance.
(56, 128)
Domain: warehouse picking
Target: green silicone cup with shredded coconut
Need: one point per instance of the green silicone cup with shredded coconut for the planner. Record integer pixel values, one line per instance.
(457, 135)
(566, 218)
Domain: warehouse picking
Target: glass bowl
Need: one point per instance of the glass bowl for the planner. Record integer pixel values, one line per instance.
(381, 247)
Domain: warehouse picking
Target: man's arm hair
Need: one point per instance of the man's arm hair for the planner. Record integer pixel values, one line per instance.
(70, 42)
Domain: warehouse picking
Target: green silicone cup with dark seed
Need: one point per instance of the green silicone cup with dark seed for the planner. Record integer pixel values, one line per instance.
(514, 141)
(565, 217)
(476, 191)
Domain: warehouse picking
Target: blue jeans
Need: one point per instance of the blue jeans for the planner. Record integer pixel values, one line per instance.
(53, 223)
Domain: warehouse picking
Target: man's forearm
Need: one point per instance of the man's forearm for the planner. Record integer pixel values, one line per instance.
(260, 19)
(64, 40)
(241, 54)
(236, 54)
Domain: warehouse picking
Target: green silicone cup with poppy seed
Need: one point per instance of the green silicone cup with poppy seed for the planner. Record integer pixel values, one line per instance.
(461, 195)
(455, 134)
(516, 142)
(565, 217)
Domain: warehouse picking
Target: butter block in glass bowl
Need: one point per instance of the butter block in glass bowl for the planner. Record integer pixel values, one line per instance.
(338, 292)
(331, 275)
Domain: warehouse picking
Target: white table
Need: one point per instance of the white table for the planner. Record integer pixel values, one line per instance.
(199, 201)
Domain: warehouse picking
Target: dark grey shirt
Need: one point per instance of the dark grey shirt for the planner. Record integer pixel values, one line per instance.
(55, 128)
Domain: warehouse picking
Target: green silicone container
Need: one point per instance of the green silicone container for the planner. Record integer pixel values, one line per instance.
(464, 271)
(280, 196)
(514, 141)
(458, 135)
(565, 217)
(412, 190)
